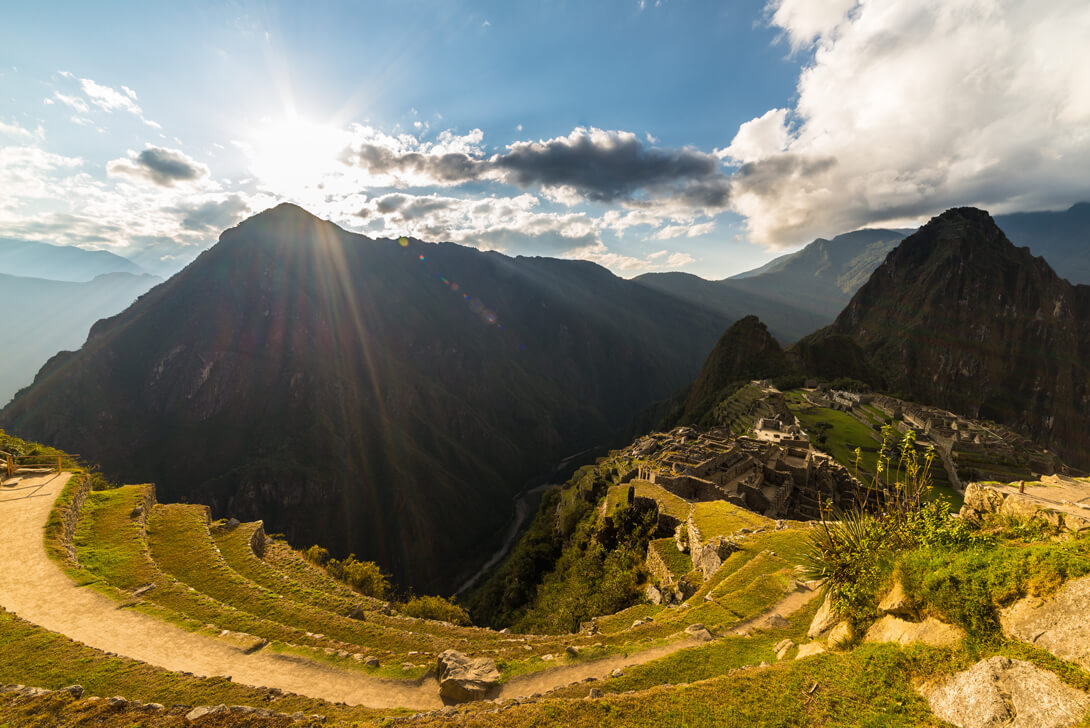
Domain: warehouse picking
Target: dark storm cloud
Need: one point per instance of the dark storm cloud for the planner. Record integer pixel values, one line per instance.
(611, 166)
(159, 165)
(600, 166)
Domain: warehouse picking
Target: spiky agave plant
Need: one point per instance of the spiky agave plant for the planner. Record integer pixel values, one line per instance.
(850, 550)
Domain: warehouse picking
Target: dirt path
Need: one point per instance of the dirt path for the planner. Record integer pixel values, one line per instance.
(784, 608)
(558, 677)
(542, 682)
(34, 587)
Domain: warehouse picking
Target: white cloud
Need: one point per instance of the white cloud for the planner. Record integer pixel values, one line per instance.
(806, 20)
(104, 98)
(15, 130)
(73, 101)
(908, 108)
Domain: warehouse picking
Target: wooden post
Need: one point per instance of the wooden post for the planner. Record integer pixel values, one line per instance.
(59, 468)
(11, 466)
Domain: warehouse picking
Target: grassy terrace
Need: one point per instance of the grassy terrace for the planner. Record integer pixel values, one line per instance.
(277, 576)
(111, 548)
(719, 518)
(668, 502)
(34, 656)
(196, 587)
(677, 562)
(180, 543)
(748, 583)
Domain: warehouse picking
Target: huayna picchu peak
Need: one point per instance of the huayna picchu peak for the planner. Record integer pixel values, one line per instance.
(959, 317)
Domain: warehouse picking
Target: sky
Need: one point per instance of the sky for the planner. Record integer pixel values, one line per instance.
(644, 135)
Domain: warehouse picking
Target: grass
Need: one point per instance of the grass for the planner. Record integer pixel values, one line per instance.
(969, 586)
(669, 503)
(708, 661)
(677, 562)
(34, 656)
(719, 518)
(181, 545)
(869, 687)
(846, 434)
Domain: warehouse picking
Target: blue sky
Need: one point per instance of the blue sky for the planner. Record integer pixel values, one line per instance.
(671, 135)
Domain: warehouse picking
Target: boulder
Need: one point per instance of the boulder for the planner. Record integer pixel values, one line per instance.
(783, 647)
(842, 635)
(1000, 691)
(699, 632)
(653, 594)
(809, 649)
(983, 499)
(825, 619)
(202, 710)
(1058, 624)
(710, 556)
(462, 678)
(896, 602)
(930, 632)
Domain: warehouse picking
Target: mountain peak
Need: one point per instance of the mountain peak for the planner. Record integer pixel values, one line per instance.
(744, 352)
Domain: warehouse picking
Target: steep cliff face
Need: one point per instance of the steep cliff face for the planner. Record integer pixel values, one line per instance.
(375, 396)
(959, 317)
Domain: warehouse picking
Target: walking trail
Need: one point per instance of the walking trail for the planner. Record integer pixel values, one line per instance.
(36, 589)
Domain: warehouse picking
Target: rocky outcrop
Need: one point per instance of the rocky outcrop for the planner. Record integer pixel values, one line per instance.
(896, 602)
(1010, 693)
(930, 632)
(1059, 624)
(462, 678)
(1058, 505)
(809, 649)
(842, 635)
(708, 557)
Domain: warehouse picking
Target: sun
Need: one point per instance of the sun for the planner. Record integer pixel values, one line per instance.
(296, 157)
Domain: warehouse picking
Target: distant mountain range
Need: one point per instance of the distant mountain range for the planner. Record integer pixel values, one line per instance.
(805, 290)
(376, 396)
(43, 317)
(60, 262)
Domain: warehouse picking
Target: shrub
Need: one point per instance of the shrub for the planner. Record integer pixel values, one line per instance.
(431, 607)
(363, 576)
(317, 555)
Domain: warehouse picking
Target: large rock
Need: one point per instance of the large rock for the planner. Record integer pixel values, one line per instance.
(825, 619)
(930, 632)
(842, 635)
(462, 678)
(896, 602)
(710, 556)
(809, 649)
(983, 499)
(1000, 691)
(1059, 624)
